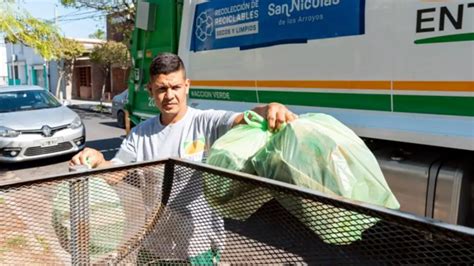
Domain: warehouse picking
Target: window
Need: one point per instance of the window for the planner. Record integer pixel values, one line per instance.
(15, 69)
(85, 76)
(26, 100)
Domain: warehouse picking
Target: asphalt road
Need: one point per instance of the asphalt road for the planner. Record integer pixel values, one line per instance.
(102, 133)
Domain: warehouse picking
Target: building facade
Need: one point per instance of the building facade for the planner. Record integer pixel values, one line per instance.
(87, 77)
(117, 23)
(25, 67)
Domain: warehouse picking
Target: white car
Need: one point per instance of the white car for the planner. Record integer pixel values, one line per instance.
(34, 125)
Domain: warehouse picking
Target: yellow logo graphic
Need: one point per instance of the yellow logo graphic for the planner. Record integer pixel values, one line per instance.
(193, 147)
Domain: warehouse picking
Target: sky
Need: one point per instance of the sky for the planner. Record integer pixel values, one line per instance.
(73, 23)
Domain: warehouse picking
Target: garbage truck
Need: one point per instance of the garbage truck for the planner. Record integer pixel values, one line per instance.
(400, 74)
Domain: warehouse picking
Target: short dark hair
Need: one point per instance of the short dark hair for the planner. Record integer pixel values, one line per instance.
(166, 63)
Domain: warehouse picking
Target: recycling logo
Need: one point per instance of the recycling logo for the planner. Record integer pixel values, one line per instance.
(204, 26)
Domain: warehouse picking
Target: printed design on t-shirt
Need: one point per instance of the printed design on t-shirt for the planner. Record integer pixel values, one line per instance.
(195, 146)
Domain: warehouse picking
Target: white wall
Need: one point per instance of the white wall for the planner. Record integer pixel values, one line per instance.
(3, 63)
(24, 56)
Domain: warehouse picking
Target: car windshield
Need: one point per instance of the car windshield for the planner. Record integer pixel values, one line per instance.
(13, 101)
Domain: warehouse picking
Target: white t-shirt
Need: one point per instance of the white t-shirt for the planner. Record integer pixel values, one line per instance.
(190, 138)
(189, 226)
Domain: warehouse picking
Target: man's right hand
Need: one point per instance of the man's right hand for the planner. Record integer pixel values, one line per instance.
(91, 157)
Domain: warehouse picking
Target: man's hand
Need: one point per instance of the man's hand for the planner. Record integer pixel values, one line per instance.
(94, 158)
(276, 115)
(91, 157)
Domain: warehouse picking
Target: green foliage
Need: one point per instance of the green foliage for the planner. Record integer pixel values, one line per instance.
(69, 49)
(108, 54)
(15, 242)
(102, 5)
(98, 34)
(111, 53)
(19, 26)
(43, 242)
(125, 9)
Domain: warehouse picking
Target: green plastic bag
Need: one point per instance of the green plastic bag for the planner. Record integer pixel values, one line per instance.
(231, 198)
(318, 152)
(106, 217)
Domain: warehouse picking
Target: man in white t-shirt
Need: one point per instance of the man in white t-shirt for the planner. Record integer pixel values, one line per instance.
(179, 130)
(185, 132)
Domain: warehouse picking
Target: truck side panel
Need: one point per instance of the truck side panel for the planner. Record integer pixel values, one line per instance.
(390, 80)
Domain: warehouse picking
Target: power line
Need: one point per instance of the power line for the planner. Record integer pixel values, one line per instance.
(71, 21)
(70, 14)
(78, 14)
(82, 18)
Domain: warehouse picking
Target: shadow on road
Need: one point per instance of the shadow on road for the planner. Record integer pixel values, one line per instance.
(110, 124)
(107, 146)
(35, 163)
(87, 114)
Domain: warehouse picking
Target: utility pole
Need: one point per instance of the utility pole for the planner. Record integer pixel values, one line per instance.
(56, 14)
(13, 59)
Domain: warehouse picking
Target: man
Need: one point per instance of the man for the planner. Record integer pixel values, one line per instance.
(179, 131)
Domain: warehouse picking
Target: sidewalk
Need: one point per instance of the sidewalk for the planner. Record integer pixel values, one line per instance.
(93, 106)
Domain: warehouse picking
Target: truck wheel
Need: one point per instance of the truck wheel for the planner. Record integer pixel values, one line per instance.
(121, 119)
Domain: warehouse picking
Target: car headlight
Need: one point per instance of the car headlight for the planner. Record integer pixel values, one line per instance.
(8, 132)
(76, 123)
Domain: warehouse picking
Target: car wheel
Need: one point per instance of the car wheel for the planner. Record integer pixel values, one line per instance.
(121, 119)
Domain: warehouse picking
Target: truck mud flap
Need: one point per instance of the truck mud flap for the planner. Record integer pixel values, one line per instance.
(435, 183)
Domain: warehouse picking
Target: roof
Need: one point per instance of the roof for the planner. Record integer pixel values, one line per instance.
(19, 88)
(88, 43)
(86, 40)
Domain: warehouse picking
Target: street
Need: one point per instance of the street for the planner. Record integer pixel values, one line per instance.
(102, 133)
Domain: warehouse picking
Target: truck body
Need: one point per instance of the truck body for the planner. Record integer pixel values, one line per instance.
(399, 73)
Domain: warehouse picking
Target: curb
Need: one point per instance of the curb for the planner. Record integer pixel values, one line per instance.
(91, 108)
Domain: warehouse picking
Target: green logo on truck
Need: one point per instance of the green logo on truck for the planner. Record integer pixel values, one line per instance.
(439, 19)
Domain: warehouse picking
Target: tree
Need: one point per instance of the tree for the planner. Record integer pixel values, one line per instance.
(23, 28)
(44, 38)
(98, 34)
(103, 5)
(125, 9)
(68, 51)
(107, 55)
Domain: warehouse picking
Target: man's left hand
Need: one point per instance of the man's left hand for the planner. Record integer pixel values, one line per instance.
(276, 114)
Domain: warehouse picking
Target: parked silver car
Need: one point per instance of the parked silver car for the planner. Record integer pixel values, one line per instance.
(118, 107)
(34, 125)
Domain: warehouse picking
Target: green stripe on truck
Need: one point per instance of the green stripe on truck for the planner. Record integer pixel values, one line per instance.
(443, 105)
(379, 102)
(224, 95)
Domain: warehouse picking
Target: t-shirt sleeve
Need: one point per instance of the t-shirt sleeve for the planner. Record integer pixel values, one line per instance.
(127, 152)
(217, 123)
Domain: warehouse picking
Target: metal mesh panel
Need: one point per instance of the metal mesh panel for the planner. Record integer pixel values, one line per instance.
(175, 212)
(79, 218)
